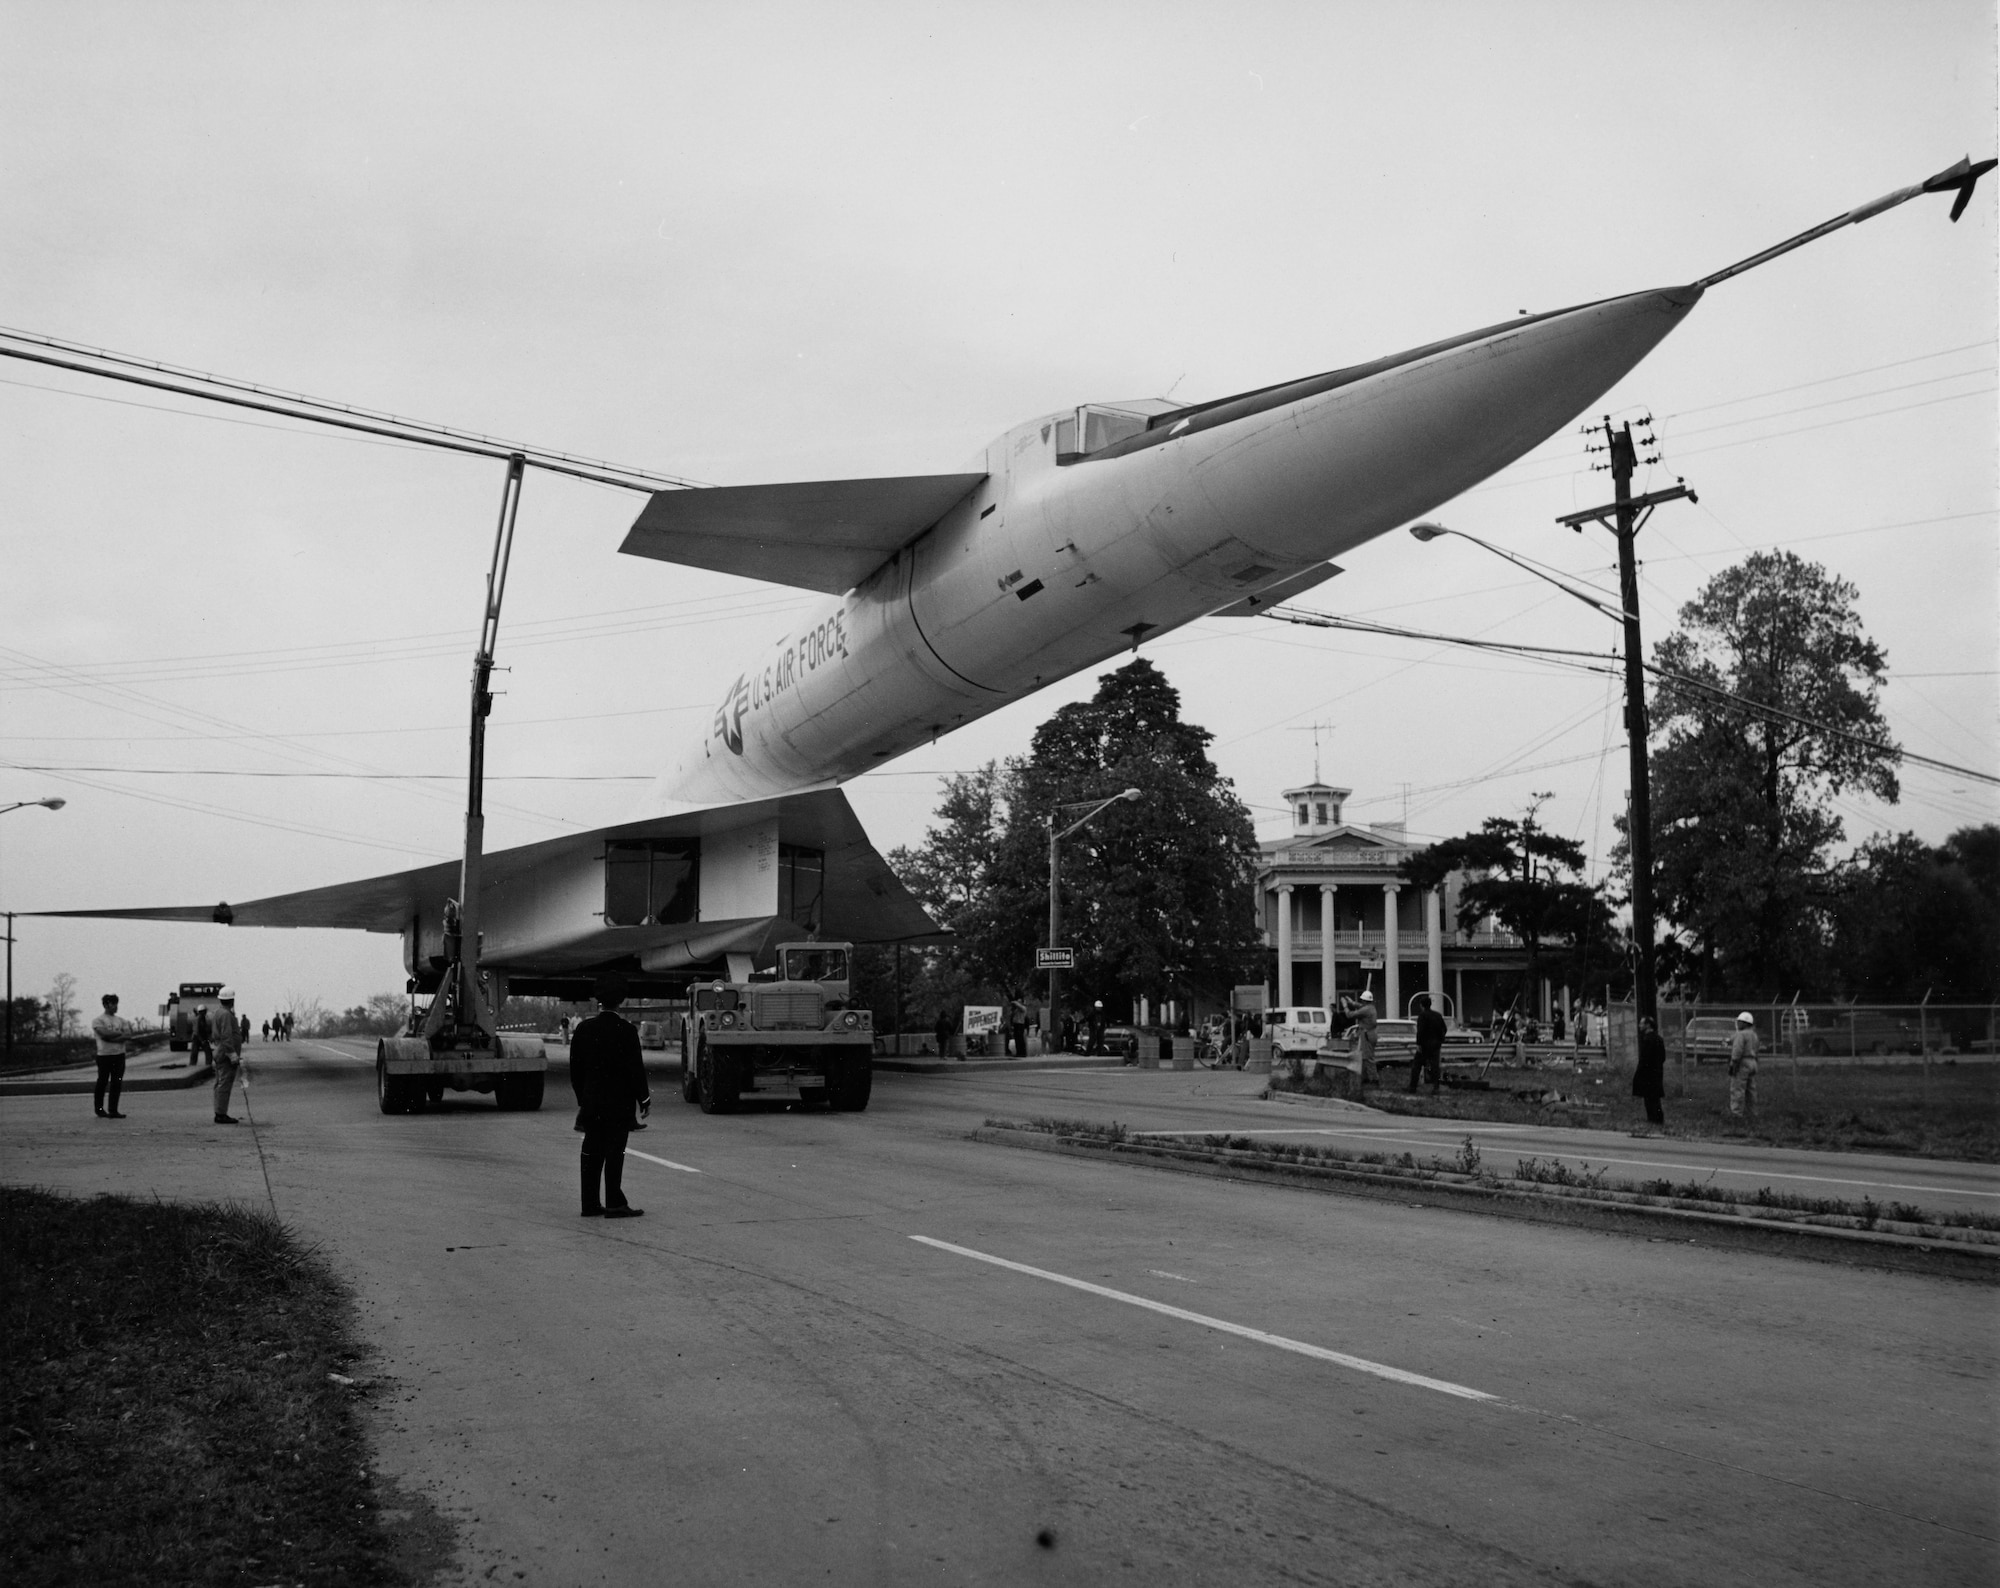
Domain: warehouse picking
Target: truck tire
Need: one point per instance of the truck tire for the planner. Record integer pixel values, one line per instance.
(715, 1078)
(389, 1094)
(850, 1082)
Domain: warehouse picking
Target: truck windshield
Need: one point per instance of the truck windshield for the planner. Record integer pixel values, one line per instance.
(815, 964)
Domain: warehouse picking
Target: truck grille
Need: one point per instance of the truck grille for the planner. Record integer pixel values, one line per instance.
(786, 1011)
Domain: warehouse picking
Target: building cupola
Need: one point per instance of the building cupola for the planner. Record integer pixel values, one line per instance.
(1315, 808)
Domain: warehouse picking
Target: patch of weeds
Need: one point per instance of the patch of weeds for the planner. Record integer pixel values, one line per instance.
(1113, 1132)
(1553, 1171)
(172, 1407)
(1871, 1213)
(1467, 1161)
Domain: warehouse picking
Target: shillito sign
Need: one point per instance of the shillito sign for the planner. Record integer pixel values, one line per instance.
(1071, 537)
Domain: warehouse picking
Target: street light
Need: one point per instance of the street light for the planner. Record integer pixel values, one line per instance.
(54, 802)
(1431, 531)
(1091, 809)
(1623, 517)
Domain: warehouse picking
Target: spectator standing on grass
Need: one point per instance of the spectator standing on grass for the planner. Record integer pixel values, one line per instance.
(228, 1055)
(1430, 1045)
(1743, 1066)
(608, 1074)
(1649, 1078)
(1364, 1039)
(114, 1036)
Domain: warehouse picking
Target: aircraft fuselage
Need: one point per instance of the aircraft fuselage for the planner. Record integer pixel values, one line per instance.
(1059, 560)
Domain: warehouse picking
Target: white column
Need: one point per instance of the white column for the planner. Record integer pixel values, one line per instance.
(1392, 955)
(1284, 945)
(1327, 891)
(1434, 944)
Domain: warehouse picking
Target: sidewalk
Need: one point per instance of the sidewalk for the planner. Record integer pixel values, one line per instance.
(156, 1070)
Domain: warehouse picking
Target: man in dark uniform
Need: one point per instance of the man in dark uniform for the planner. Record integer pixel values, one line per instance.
(1430, 1044)
(608, 1074)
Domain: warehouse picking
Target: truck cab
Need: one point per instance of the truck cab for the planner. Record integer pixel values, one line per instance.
(788, 1034)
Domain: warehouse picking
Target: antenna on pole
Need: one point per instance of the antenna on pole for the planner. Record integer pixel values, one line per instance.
(1315, 729)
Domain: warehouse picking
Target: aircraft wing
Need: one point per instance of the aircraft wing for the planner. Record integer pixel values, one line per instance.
(815, 534)
(375, 904)
(864, 901)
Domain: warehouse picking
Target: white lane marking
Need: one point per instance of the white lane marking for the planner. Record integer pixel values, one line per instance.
(664, 1163)
(1319, 1353)
(1936, 1188)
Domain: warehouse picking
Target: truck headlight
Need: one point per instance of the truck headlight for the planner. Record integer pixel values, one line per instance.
(850, 1020)
(726, 1019)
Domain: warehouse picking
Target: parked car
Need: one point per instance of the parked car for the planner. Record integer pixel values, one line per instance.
(1707, 1037)
(1298, 1031)
(1858, 1031)
(1395, 1041)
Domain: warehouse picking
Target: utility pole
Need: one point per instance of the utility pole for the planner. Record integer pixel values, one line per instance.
(1624, 516)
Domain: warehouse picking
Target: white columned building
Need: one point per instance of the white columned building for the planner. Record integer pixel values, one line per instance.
(1335, 908)
(1329, 898)
(1284, 892)
(1391, 1004)
(1434, 944)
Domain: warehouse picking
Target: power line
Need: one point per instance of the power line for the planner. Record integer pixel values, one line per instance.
(204, 387)
(1560, 657)
(355, 777)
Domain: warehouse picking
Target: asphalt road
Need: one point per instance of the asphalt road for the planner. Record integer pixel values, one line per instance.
(861, 1349)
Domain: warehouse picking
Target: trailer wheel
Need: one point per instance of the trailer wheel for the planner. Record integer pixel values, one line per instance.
(389, 1095)
(716, 1080)
(850, 1083)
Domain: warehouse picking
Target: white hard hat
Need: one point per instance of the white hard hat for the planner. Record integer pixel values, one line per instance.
(227, 996)
(1746, 1019)
(1368, 997)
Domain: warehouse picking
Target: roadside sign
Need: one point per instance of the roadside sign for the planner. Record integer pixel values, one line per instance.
(1055, 959)
(981, 1019)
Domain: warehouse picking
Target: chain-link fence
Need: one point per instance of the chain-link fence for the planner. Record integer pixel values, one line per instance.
(1817, 1033)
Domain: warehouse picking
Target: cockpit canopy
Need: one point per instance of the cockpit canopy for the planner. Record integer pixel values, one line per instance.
(1095, 426)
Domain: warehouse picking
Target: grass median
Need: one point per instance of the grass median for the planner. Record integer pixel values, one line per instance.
(1952, 1113)
(181, 1405)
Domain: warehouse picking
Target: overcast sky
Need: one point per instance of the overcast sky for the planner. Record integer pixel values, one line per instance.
(755, 243)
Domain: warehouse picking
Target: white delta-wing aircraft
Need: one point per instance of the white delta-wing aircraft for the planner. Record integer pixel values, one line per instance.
(1070, 538)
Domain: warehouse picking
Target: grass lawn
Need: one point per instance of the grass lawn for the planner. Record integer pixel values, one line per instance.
(1847, 1108)
(171, 1410)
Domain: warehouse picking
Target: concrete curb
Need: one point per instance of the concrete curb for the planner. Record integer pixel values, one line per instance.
(1742, 1232)
(84, 1085)
(931, 1066)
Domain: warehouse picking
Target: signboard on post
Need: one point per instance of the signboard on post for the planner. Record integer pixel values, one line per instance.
(1055, 959)
(981, 1020)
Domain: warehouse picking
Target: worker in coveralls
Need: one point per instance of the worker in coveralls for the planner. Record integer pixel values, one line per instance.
(113, 1033)
(1743, 1066)
(228, 1055)
(607, 1072)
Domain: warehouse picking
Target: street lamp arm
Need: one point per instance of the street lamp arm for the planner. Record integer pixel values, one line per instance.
(54, 802)
(1092, 814)
(1432, 531)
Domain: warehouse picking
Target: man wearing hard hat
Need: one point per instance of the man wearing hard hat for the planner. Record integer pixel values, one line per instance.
(228, 1056)
(1743, 1066)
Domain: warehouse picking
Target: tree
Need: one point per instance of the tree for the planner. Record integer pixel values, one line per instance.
(62, 1011)
(1742, 789)
(1530, 881)
(1910, 919)
(1156, 892)
(30, 1017)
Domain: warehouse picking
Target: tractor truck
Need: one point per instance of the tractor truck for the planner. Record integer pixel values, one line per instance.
(794, 1036)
